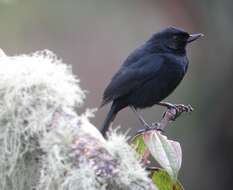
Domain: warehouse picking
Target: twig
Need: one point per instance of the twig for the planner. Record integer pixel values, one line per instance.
(172, 114)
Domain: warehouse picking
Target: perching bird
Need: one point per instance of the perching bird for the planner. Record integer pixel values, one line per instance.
(149, 74)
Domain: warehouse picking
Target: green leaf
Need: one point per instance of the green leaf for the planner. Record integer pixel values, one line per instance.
(163, 180)
(166, 152)
(138, 143)
(140, 147)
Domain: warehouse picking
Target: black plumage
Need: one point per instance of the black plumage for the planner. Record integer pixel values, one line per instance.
(149, 74)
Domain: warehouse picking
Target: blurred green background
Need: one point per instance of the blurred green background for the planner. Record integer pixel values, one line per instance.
(95, 36)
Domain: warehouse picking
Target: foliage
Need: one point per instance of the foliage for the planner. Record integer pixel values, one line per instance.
(166, 152)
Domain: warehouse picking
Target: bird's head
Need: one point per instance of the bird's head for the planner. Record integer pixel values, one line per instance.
(172, 39)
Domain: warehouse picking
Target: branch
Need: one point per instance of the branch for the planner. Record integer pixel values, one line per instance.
(172, 114)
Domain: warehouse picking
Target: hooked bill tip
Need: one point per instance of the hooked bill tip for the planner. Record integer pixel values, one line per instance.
(193, 37)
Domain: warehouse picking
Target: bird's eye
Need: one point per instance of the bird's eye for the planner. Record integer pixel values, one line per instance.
(174, 37)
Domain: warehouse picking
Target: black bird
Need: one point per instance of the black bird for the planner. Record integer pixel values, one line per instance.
(149, 74)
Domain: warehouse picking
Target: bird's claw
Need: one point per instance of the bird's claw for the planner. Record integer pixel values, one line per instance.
(153, 126)
(184, 108)
(143, 130)
(173, 112)
(179, 109)
(157, 127)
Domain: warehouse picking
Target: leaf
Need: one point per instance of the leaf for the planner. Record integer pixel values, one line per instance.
(138, 144)
(163, 180)
(166, 152)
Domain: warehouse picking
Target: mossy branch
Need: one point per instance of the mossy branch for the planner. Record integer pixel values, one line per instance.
(45, 145)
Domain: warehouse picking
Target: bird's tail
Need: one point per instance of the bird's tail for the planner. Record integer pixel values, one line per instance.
(109, 119)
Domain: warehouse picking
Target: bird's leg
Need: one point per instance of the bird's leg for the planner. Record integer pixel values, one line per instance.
(139, 116)
(180, 108)
(167, 105)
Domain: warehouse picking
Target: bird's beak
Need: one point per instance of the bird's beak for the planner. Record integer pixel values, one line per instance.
(193, 37)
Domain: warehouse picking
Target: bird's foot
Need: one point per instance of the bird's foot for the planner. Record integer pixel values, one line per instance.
(179, 109)
(157, 126)
(147, 126)
(143, 130)
(167, 105)
(153, 126)
(173, 112)
(186, 108)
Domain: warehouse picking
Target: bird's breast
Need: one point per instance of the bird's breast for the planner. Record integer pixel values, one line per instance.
(171, 75)
(161, 85)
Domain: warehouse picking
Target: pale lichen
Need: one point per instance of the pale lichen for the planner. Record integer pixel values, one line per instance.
(32, 88)
(44, 144)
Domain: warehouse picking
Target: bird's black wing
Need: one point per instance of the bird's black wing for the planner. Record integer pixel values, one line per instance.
(130, 76)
